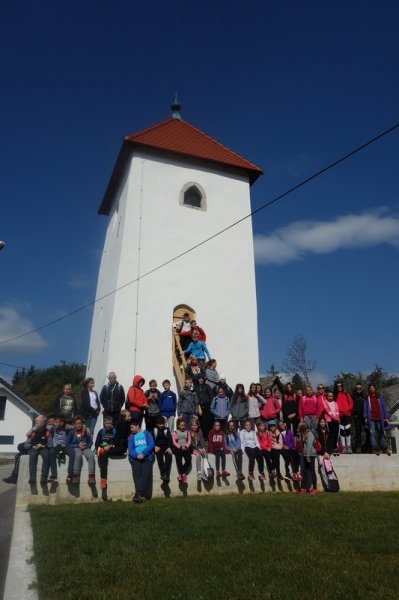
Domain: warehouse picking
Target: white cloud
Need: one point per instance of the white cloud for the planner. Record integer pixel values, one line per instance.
(301, 238)
(78, 281)
(13, 324)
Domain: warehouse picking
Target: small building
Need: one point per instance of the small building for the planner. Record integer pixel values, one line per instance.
(16, 416)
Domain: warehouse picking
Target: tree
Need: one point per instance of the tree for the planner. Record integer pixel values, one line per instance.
(41, 386)
(296, 361)
(297, 382)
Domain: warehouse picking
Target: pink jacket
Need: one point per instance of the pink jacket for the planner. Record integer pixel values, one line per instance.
(308, 406)
(271, 409)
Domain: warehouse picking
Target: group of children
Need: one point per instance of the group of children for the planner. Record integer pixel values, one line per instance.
(267, 425)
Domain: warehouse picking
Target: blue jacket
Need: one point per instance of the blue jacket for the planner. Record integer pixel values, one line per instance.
(73, 440)
(220, 407)
(233, 441)
(141, 443)
(199, 350)
(167, 404)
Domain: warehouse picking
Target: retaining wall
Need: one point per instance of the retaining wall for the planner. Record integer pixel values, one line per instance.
(356, 472)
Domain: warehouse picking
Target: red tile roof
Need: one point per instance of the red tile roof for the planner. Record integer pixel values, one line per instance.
(179, 137)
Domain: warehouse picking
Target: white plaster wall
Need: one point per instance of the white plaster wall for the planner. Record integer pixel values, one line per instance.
(217, 279)
(17, 421)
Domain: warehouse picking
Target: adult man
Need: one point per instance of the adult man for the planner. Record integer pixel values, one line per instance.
(112, 398)
(65, 404)
(357, 412)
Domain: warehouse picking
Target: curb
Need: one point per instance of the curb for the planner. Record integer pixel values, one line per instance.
(21, 572)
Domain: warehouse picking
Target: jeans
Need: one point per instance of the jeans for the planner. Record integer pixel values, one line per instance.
(164, 460)
(220, 457)
(237, 460)
(78, 461)
(33, 456)
(91, 423)
(183, 460)
(53, 459)
(142, 475)
(103, 460)
(308, 472)
(377, 437)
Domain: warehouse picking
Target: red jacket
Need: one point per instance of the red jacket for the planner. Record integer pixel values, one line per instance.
(345, 404)
(271, 409)
(265, 440)
(136, 398)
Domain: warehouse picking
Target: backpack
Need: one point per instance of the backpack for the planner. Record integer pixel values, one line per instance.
(207, 472)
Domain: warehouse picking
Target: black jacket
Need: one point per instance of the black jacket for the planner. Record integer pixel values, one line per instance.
(205, 394)
(112, 398)
(86, 408)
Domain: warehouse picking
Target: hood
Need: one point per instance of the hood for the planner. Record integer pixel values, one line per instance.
(137, 379)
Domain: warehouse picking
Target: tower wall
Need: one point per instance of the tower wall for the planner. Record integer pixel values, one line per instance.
(131, 330)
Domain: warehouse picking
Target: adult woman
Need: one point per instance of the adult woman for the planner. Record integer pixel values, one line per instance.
(376, 419)
(90, 404)
(345, 405)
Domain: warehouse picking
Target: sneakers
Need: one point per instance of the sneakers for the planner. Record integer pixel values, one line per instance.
(218, 474)
(251, 476)
(302, 492)
(184, 478)
(100, 451)
(69, 479)
(386, 451)
(375, 451)
(179, 477)
(103, 484)
(288, 477)
(53, 478)
(199, 476)
(262, 476)
(92, 479)
(297, 477)
(225, 473)
(273, 474)
(313, 492)
(240, 475)
(137, 499)
(349, 450)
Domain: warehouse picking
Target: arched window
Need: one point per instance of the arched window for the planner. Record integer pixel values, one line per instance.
(192, 195)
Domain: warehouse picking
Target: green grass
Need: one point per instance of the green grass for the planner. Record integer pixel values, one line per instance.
(264, 546)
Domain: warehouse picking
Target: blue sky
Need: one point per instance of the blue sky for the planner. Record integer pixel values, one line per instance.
(289, 85)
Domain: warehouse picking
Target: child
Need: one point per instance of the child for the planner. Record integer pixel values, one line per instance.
(265, 444)
(152, 410)
(324, 439)
(59, 448)
(167, 405)
(233, 445)
(182, 449)
(307, 408)
(250, 444)
(80, 441)
(271, 409)
(277, 446)
(329, 410)
(239, 406)
(289, 452)
(122, 428)
(198, 446)
(141, 458)
(254, 400)
(220, 407)
(136, 401)
(163, 447)
(308, 458)
(187, 405)
(217, 446)
(105, 444)
(40, 442)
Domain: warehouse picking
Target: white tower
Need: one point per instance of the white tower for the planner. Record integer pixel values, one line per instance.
(171, 188)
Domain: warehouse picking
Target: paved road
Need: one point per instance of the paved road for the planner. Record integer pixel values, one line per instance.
(7, 505)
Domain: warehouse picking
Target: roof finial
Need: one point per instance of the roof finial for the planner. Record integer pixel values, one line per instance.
(176, 108)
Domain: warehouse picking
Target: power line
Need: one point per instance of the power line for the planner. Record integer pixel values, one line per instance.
(208, 239)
